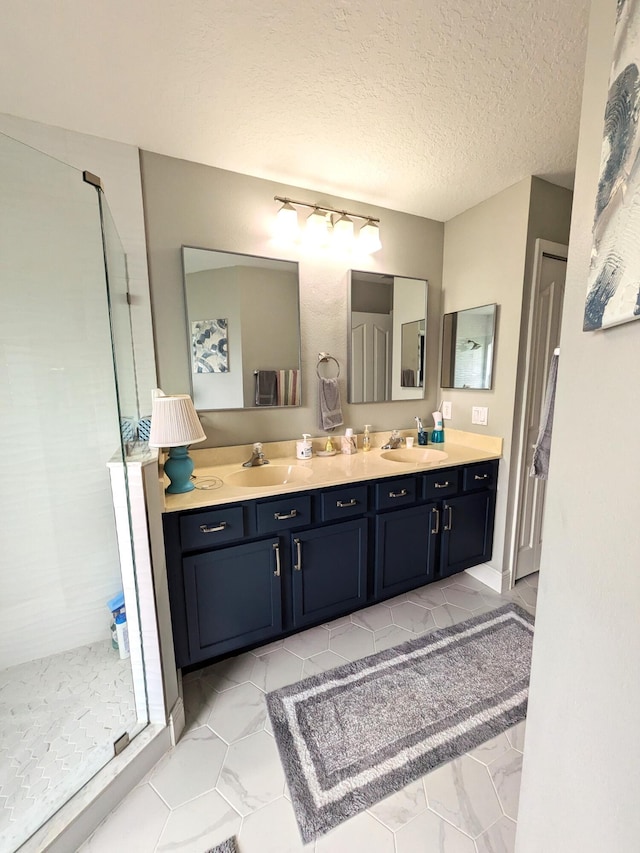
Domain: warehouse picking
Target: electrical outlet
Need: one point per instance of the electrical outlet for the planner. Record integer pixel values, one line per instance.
(446, 411)
(479, 415)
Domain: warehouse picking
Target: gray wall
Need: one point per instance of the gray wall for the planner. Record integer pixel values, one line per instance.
(187, 203)
(488, 257)
(582, 751)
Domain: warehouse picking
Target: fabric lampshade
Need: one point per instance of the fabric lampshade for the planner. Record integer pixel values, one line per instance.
(174, 422)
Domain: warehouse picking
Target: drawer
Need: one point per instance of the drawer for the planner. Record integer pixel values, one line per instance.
(440, 484)
(395, 493)
(343, 503)
(284, 513)
(480, 476)
(211, 528)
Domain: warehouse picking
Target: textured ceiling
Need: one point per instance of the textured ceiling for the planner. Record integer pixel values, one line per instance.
(424, 106)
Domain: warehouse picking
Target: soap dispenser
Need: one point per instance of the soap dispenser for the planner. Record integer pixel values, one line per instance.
(304, 447)
(366, 438)
(437, 435)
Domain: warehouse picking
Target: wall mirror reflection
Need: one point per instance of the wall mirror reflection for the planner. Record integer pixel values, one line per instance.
(243, 330)
(387, 337)
(468, 339)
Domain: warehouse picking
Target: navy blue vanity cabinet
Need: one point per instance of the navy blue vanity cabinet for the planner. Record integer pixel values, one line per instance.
(233, 597)
(329, 571)
(405, 550)
(467, 520)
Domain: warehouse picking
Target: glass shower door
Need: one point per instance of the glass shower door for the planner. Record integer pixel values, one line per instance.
(66, 694)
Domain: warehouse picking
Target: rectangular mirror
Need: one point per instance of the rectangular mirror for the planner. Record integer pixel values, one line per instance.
(387, 329)
(468, 339)
(243, 330)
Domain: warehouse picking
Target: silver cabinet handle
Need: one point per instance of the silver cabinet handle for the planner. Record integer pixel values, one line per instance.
(401, 494)
(450, 518)
(279, 516)
(297, 566)
(436, 512)
(204, 528)
(441, 485)
(343, 504)
(480, 476)
(276, 550)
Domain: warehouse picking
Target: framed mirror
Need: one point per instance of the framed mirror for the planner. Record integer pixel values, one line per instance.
(468, 340)
(243, 330)
(387, 337)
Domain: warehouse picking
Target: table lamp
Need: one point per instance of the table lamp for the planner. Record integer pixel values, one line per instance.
(175, 424)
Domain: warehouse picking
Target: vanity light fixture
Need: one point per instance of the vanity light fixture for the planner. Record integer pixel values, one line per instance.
(175, 424)
(328, 222)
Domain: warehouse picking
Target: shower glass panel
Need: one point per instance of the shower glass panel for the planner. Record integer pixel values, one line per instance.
(65, 693)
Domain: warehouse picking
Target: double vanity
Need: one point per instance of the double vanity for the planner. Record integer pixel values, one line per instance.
(254, 554)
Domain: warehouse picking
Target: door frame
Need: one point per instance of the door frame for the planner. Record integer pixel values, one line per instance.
(560, 252)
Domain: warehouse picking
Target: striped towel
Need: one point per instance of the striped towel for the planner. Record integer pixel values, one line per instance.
(288, 387)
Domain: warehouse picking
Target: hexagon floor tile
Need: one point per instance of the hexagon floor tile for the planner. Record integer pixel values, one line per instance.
(466, 806)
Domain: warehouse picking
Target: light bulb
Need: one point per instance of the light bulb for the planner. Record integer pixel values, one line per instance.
(315, 231)
(287, 222)
(369, 237)
(343, 232)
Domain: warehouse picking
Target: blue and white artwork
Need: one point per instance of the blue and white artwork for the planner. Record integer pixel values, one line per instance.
(613, 290)
(209, 346)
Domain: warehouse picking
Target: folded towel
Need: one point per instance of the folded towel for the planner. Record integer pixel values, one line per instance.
(329, 407)
(408, 378)
(542, 448)
(266, 388)
(288, 387)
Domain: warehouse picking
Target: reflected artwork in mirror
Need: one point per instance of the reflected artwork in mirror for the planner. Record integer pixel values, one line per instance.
(468, 339)
(387, 337)
(243, 330)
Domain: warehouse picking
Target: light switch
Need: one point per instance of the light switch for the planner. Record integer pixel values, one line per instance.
(479, 415)
(446, 411)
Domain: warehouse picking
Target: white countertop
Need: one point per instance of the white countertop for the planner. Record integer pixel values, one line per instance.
(213, 466)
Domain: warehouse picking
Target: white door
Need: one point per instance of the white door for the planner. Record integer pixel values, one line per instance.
(370, 357)
(547, 315)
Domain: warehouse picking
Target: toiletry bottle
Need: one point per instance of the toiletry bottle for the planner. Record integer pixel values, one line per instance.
(122, 631)
(329, 448)
(422, 435)
(349, 442)
(304, 447)
(366, 438)
(437, 436)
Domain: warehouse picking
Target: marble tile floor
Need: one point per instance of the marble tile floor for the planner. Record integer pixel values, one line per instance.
(59, 717)
(224, 777)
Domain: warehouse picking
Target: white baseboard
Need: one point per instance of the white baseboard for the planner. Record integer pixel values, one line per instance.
(488, 575)
(177, 721)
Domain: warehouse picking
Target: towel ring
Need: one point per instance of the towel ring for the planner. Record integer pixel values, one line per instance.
(324, 356)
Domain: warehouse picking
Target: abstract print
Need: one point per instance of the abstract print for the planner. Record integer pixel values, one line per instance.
(209, 346)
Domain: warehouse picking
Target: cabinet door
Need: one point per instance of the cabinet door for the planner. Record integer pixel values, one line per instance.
(233, 597)
(329, 573)
(405, 549)
(467, 531)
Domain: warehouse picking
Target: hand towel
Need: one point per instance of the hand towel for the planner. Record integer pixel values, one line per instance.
(266, 388)
(542, 448)
(329, 406)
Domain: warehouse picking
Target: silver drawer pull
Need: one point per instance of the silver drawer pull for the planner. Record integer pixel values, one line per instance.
(204, 528)
(401, 494)
(480, 476)
(276, 550)
(343, 504)
(279, 516)
(441, 485)
(436, 512)
(297, 566)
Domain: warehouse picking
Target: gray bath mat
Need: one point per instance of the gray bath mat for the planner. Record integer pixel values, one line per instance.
(352, 736)
(228, 846)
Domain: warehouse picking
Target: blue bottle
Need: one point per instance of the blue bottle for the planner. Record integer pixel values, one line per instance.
(437, 435)
(422, 435)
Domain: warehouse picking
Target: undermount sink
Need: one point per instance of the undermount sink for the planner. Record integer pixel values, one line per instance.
(416, 455)
(268, 475)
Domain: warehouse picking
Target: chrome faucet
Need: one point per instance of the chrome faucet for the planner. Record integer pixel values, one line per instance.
(257, 457)
(395, 441)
